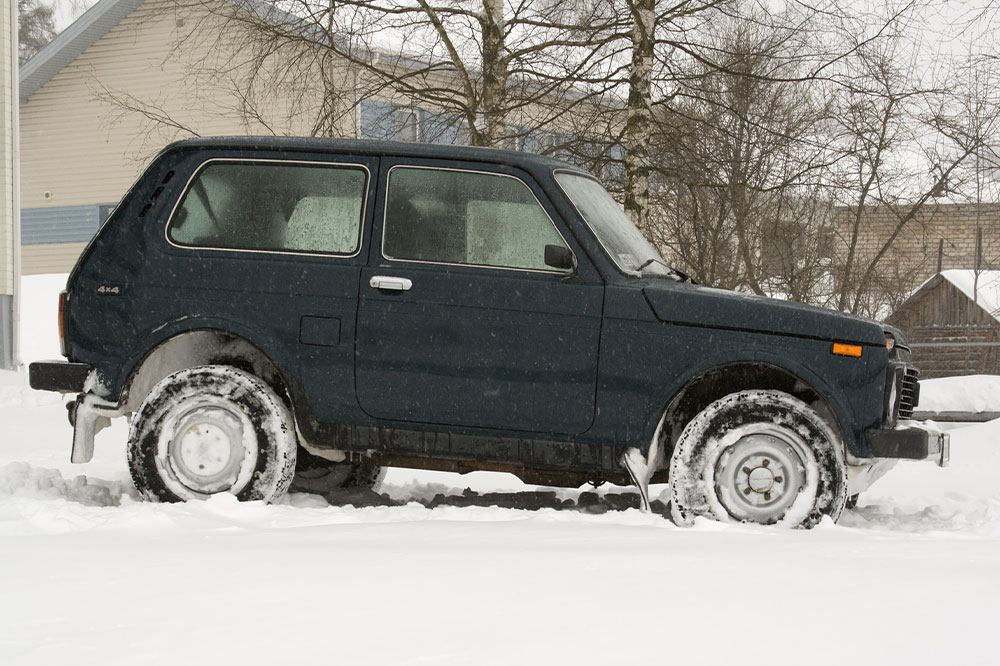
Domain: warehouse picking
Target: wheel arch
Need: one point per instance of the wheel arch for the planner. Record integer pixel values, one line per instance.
(718, 381)
(206, 344)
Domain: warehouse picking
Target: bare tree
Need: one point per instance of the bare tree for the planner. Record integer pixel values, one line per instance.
(491, 71)
(741, 151)
(905, 143)
(35, 27)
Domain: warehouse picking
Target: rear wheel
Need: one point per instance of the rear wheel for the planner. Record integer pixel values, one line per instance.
(758, 457)
(208, 430)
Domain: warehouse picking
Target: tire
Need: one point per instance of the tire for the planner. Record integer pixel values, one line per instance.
(208, 430)
(758, 457)
(321, 476)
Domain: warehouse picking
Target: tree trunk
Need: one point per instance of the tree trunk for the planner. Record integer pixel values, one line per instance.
(494, 74)
(638, 122)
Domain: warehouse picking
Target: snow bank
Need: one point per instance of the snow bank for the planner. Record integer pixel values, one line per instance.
(22, 480)
(976, 393)
(39, 325)
(90, 576)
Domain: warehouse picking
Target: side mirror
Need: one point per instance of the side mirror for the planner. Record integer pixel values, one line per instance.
(558, 256)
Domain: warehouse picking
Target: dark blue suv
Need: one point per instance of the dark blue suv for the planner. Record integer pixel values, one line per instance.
(279, 309)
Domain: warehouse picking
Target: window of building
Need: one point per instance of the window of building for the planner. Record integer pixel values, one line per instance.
(408, 126)
(461, 217)
(272, 206)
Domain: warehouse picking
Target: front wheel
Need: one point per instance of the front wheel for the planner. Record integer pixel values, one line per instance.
(758, 456)
(208, 430)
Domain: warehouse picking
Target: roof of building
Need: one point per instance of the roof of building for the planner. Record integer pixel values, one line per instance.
(984, 291)
(71, 42)
(84, 32)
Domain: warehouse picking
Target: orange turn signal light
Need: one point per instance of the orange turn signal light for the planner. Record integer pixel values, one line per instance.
(844, 349)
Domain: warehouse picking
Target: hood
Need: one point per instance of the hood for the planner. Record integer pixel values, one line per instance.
(695, 305)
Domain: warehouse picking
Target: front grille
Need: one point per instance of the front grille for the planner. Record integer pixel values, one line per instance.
(909, 392)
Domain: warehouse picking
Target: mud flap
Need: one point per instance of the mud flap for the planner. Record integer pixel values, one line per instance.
(642, 467)
(638, 467)
(90, 416)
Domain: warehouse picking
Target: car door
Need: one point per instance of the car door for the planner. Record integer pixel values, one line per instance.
(273, 249)
(460, 320)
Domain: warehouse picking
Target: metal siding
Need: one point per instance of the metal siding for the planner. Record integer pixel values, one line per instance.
(50, 257)
(71, 42)
(62, 224)
(81, 149)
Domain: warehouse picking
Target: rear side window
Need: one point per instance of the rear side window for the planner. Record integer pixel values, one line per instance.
(460, 217)
(270, 206)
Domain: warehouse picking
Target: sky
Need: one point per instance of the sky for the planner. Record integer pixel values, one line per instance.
(66, 11)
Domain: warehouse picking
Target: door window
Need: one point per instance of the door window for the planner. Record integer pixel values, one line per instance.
(460, 217)
(272, 206)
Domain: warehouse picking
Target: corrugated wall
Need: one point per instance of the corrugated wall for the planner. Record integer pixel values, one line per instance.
(49, 258)
(60, 224)
(78, 149)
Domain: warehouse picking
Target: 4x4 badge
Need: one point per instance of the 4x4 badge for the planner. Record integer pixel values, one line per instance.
(109, 289)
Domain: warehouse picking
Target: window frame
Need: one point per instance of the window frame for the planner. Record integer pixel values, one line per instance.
(298, 253)
(385, 216)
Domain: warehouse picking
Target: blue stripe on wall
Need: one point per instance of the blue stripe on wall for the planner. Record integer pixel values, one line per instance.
(62, 224)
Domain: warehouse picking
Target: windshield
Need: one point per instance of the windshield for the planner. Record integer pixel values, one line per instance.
(628, 248)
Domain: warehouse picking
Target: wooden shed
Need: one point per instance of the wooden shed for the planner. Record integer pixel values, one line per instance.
(953, 323)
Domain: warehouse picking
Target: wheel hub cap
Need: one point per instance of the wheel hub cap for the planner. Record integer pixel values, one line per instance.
(207, 451)
(758, 477)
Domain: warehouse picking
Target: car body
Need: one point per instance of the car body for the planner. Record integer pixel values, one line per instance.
(468, 309)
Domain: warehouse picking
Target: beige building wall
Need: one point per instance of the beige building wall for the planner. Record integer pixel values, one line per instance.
(49, 257)
(79, 146)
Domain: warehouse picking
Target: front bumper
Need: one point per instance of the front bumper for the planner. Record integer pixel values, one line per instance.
(60, 376)
(910, 441)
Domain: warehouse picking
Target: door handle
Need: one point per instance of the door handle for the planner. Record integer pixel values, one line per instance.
(390, 283)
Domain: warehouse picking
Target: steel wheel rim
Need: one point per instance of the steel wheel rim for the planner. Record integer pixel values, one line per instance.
(207, 448)
(760, 475)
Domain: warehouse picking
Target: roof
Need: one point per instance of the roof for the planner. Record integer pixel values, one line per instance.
(80, 35)
(368, 147)
(985, 293)
(71, 42)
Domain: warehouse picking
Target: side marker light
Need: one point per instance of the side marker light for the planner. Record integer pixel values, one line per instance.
(843, 349)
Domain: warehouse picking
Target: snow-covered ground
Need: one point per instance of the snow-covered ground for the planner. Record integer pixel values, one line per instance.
(89, 575)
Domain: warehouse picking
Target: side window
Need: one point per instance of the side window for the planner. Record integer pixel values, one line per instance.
(272, 206)
(465, 218)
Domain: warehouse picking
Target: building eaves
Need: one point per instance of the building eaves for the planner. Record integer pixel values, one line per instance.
(71, 42)
(84, 32)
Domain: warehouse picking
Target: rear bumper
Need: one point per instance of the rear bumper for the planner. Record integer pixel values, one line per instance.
(910, 442)
(61, 376)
